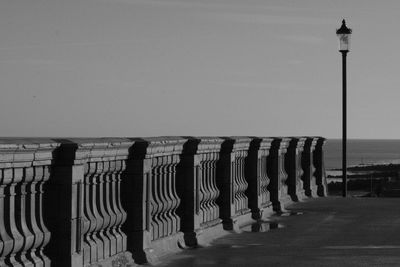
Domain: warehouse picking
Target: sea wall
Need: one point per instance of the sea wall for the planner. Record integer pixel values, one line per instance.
(126, 201)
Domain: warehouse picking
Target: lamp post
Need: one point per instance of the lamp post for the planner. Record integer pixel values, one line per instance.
(344, 34)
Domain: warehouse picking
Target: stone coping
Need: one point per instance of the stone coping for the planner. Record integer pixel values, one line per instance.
(150, 147)
(297, 142)
(311, 143)
(81, 150)
(26, 152)
(235, 143)
(16, 152)
(260, 143)
(202, 144)
(280, 143)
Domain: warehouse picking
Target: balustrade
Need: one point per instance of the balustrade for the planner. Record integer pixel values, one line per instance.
(277, 174)
(95, 202)
(293, 168)
(257, 178)
(232, 183)
(24, 168)
(85, 187)
(319, 163)
(307, 163)
(151, 198)
(197, 188)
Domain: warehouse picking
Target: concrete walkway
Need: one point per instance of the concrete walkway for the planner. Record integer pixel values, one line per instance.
(320, 232)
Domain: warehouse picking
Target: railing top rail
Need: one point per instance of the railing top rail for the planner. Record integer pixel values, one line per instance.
(81, 150)
(26, 152)
(157, 146)
(260, 142)
(280, 143)
(235, 143)
(202, 144)
(297, 142)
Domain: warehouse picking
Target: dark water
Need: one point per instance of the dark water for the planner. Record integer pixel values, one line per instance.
(360, 151)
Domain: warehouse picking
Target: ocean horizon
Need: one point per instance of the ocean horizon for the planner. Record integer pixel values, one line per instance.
(362, 151)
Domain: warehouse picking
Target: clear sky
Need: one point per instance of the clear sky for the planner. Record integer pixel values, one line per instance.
(204, 67)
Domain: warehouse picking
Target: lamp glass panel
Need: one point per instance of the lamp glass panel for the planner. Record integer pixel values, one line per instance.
(344, 42)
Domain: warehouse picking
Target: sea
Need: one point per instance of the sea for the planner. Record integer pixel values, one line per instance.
(361, 151)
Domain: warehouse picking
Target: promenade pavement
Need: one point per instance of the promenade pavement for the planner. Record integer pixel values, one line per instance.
(330, 231)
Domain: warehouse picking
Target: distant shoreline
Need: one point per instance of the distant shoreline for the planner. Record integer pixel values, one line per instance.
(378, 179)
(388, 169)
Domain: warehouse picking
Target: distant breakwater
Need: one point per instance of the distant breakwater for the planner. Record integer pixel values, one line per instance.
(377, 179)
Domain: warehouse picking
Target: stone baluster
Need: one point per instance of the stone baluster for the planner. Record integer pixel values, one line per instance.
(242, 203)
(214, 157)
(319, 163)
(96, 222)
(284, 187)
(293, 168)
(206, 189)
(214, 192)
(6, 242)
(264, 180)
(155, 203)
(257, 178)
(111, 232)
(307, 164)
(276, 172)
(121, 237)
(238, 183)
(89, 246)
(159, 199)
(168, 196)
(176, 201)
(197, 188)
(208, 205)
(103, 201)
(25, 176)
(87, 179)
(193, 204)
(151, 198)
(41, 233)
(232, 184)
(172, 220)
(213, 214)
(16, 239)
(24, 168)
(235, 184)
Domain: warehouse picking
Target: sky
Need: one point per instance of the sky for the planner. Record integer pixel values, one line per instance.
(133, 68)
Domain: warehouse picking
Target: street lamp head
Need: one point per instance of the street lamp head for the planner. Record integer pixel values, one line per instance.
(344, 34)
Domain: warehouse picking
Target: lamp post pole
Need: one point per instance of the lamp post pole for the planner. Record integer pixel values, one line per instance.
(344, 34)
(344, 126)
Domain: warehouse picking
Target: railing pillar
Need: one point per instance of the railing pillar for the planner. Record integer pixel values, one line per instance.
(197, 188)
(293, 168)
(63, 205)
(257, 178)
(85, 211)
(153, 226)
(276, 172)
(319, 163)
(232, 183)
(307, 163)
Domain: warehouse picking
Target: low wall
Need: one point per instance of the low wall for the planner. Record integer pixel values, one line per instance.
(123, 201)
